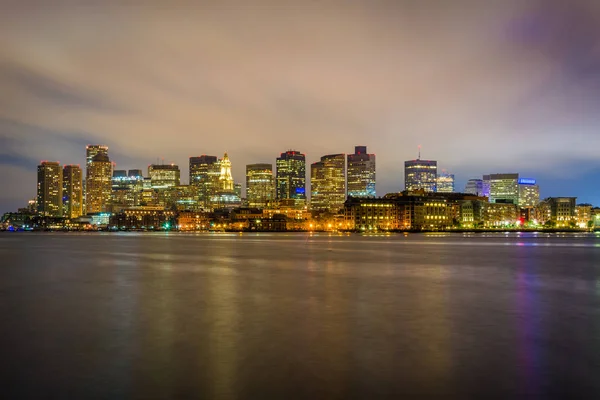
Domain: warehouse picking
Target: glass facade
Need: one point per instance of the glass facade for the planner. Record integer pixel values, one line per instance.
(72, 191)
(529, 193)
(474, 187)
(420, 174)
(445, 183)
(50, 189)
(98, 184)
(504, 188)
(290, 179)
(361, 173)
(164, 176)
(328, 183)
(260, 185)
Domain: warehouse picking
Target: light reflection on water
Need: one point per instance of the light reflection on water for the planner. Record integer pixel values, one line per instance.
(300, 316)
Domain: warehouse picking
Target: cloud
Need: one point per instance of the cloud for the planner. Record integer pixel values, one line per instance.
(482, 86)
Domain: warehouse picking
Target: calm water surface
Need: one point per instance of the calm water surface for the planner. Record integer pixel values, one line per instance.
(285, 316)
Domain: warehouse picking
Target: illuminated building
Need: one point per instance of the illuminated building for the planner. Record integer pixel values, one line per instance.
(50, 189)
(72, 191)
(371, 214)
(485, 184)
(445, 183)
(204, 174)
(145, 218)
(328, 183)
(260, 185)
(98, 184)
(225, 197)
(529, 193)
(562, 210)
(164, 176)
(504, 188)
(127, 187)
(500, 214)
(181, 198)
(290, 177)
(475, 187)
(92, 149)
(584, 215)
(361, 173)
(420, 174)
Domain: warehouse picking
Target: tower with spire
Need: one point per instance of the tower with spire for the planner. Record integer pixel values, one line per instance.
(225, 179)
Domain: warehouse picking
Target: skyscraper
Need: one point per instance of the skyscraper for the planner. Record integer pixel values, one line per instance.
(290, 177)
(445, 183)
(164, 176)
(260, 185)
(127, 188)
(98, 184)
(504, 188)
(72, 191)
(49, 189)
(226, 196)
(92, 149)
(529, 193)
(420, 174)
(474, 187)
(204, 174)
(361, 173)
(328, 183)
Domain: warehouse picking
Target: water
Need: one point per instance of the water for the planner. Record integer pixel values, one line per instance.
(299, 316)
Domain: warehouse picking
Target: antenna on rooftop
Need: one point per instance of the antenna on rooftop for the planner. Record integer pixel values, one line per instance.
(419, 153)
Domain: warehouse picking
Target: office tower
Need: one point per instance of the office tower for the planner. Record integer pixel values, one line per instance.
(72, 191)
(485, 184)
(92, 149)
(420, 174)
(474, 187)
(164, 176)
(290, 177)
(445, 183)
(225, 196)
(260, 185)
(328, 183)
(49, 189)
(504, 188)
(361, 173)
(529, 193)
(98, 184)
(204, 174)
(135, 173)
(127, 188)
(237, 189)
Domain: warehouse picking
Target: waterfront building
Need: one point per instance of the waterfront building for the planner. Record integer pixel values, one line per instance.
(145, 218)
(365, 214)
(361, 173)
(98, 184)
(328, 183)
(584, 215)
(164, 176)
(500, 214)
(504, 188)
(445, 183)
(529, 193)
(562, 210)
(72, 191)
(49, 189)
(260, 185)
(290, 177)
(420, 174)
(475, 187)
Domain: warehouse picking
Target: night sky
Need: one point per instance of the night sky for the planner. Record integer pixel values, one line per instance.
(483, 86)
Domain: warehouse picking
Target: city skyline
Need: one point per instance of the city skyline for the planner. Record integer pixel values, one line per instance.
(484, 88)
